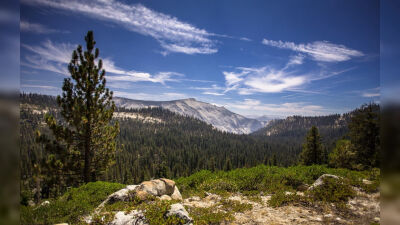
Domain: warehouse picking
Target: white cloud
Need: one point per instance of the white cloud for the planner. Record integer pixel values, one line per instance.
(151, 97)
(213, 93)
(173, 34)
(319, 50)
(261, 80)
(40, 87)
(371, 93)
(295, 60)
(54, 57)
(26, 26)
(256, 107)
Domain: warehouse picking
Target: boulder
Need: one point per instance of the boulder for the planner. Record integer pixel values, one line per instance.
(135, 217)
(169, 185)
(176, 195)
(122, 195)
(45, 203)
(180, 211)
(142, 195)
(320, 180)
(154, 187)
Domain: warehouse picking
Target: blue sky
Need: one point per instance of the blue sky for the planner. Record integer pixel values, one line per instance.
(253, 57)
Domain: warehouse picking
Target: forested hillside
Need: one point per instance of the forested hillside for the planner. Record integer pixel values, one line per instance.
(293, 129)
(156, 143)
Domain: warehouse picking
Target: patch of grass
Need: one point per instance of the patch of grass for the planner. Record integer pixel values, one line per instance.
(234, 205)
(282, 199)
(70, 207)
(209, 216)
(155, 213)
(270, 179)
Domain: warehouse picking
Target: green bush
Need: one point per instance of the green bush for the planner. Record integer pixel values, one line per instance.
(333, 190)
(70, 207)
(209, 216)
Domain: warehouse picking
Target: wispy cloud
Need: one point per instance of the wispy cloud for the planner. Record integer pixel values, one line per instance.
(371, 93)
(152, 97)
(26, 26)
(54, 57)
(256, 107)
(40, 87)
(248, 80)
(172, 34)
(319, 50)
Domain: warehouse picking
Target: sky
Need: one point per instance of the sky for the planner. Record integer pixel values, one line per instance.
(276, 58)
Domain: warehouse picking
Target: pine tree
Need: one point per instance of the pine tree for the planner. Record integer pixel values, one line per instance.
(364, 133)
(312, 152)
(85, 139)
(342, 155)
(228, 165)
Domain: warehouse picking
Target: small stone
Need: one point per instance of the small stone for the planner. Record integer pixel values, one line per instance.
(377, 219)
(165, 197)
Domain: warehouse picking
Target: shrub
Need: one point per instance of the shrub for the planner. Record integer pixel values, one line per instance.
(206, 216)
(333, 190)
(70, 207)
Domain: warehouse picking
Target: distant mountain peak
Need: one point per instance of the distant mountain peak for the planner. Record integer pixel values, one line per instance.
(217, 116)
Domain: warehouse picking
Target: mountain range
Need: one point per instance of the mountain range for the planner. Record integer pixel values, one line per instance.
(219, 117)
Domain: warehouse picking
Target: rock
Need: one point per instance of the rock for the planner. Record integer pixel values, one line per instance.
(169, 185)
(180, 211)
(154, 187)
(45, 203)
(165, 197)
(135, 217)
(289, 193)
(302, 187)
(320, 180)
(176, 195)
(31, 203)
(377, 219)
(61, 224)
(367, 182)
(122, 195)
(142, 195)
(213, 197)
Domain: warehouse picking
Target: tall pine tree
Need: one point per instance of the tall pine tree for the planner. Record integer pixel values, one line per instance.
(85, 138)
(312, 152)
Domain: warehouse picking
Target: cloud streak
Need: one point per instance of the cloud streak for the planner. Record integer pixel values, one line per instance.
(54, 57)
(26, 26)
(256, 107)
(319, 50)
(172, 34)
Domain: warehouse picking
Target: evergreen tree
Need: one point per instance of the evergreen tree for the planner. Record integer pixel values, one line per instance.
(85, 140)
(364, 133)
(228, 165)
(312, 152)
(342, 155)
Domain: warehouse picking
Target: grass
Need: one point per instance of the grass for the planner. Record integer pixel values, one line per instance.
(70, 207)
(269, 179)
(250, 182)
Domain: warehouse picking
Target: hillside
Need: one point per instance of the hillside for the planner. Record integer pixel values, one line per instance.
(219, 117)
(293, 129)
(153, 143)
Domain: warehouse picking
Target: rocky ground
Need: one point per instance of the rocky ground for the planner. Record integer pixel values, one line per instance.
(363, 209)
(230, 208)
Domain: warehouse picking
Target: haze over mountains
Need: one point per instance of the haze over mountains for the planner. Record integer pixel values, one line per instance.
(219, 117)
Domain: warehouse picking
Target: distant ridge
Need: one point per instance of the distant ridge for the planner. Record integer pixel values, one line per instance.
(218, 117)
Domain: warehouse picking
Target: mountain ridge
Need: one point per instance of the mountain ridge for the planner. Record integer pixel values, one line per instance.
(218, 116)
